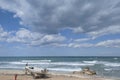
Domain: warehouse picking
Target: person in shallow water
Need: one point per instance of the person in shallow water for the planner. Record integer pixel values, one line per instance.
(26, 64)
(25, 68)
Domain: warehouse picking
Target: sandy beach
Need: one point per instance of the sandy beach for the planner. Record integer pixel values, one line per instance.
(10, 75)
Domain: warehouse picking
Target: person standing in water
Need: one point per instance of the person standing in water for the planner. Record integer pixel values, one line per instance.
(27, 64)
(25, 68)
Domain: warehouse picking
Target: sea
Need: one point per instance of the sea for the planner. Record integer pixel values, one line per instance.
(104, 66)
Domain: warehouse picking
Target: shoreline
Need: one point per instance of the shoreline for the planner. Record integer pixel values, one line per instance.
(10, 74)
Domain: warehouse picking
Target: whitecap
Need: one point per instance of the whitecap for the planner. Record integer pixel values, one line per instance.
(115, 58)
(107, 69)
(112, 64)
(71, 64)
(35, 61)
(91, 62)
(64, 69)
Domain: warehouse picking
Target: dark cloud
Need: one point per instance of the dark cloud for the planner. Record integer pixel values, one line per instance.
(51, 16)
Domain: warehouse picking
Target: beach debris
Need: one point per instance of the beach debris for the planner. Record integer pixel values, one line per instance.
(86, 70)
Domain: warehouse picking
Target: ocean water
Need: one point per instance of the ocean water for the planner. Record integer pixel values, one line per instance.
(107, 66)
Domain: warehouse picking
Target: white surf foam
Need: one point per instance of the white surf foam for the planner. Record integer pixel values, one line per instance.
(64, 69)
(91, 62)
(31, 62)
(11, 67)
(54, 63)
(115, 58)
(107, 69)
(71, 64)
(35, 61)
(112, 64)
(16, 63)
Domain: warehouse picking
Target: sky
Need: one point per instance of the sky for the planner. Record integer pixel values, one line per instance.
(60, 28)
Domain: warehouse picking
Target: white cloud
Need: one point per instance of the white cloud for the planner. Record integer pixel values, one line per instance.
(31, 38)
(80, 45)
(109, 43)
(48, 40)
(77, 30)
(115, 43)
(110, 30)
(73, 45)
(25, 36)
(82, 39)
(3, 34)
(59, 45)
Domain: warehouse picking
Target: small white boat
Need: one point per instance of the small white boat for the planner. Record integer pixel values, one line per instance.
(36, 72)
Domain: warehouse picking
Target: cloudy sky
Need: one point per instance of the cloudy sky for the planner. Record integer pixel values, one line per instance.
(59, 27)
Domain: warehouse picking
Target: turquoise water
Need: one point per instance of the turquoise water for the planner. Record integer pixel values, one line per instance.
(107, 66)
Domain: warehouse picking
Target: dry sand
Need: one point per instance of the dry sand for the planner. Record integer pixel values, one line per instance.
(10, 75)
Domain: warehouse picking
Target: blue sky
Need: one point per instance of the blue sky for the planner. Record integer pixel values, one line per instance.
(59, 28)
